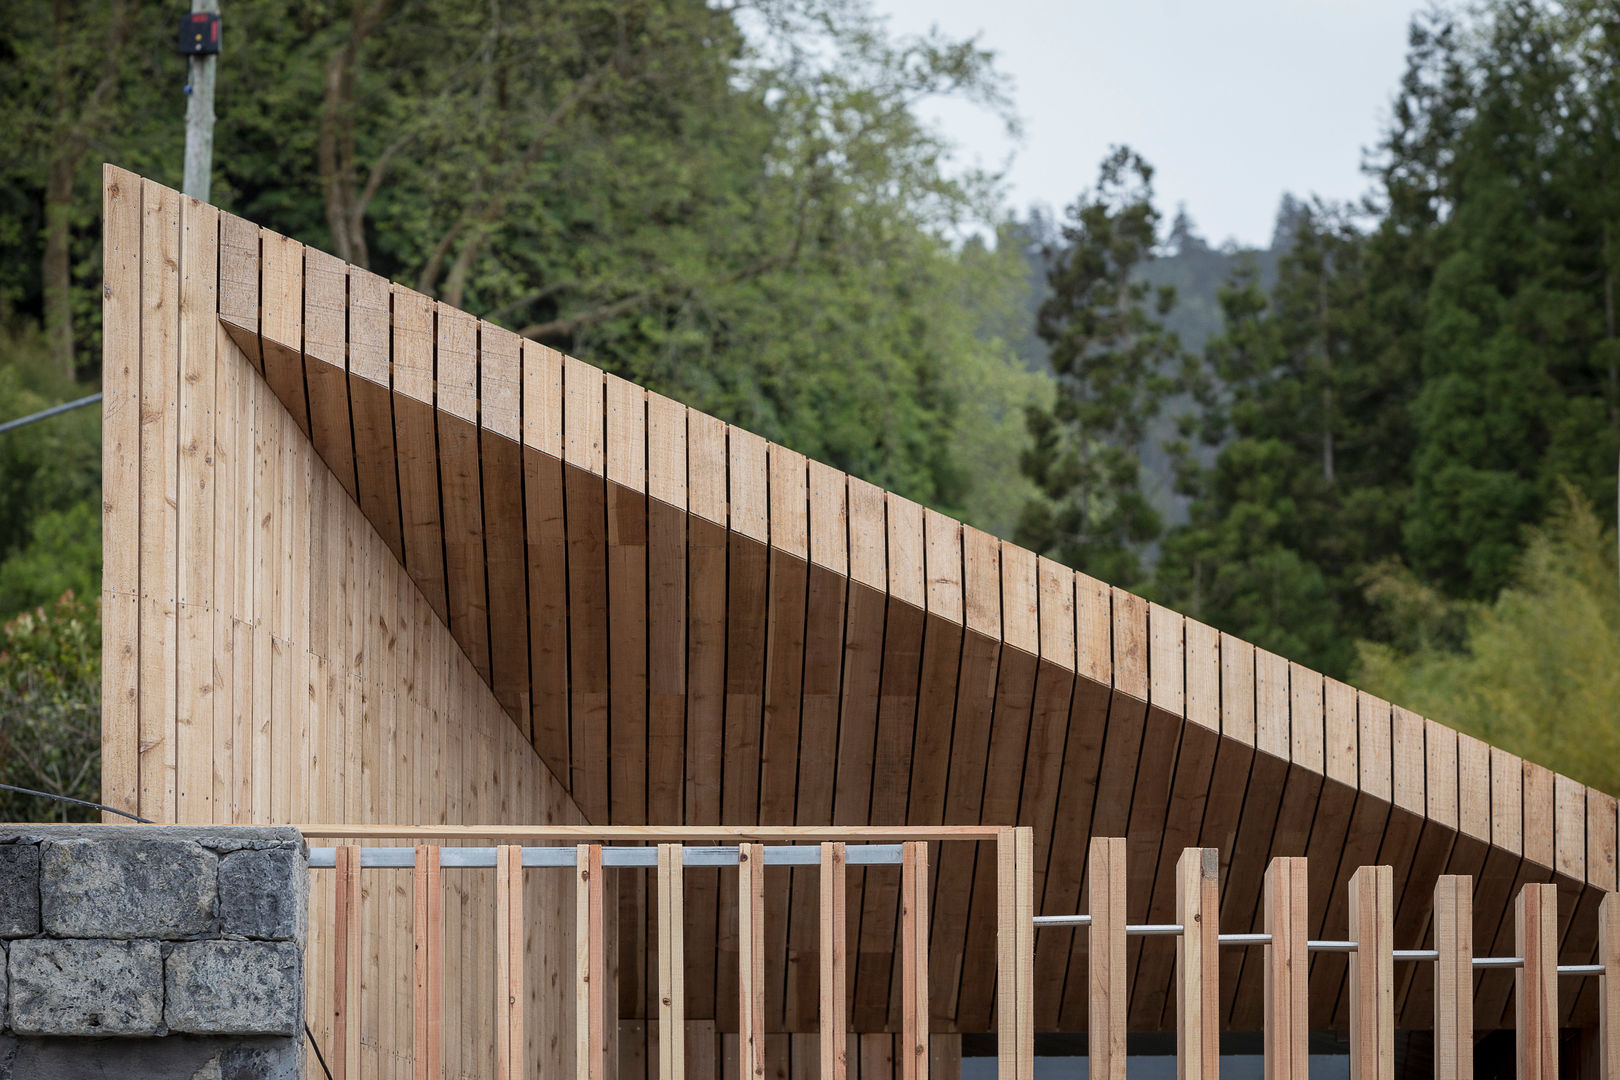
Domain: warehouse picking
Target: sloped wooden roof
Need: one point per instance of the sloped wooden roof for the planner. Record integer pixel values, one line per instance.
(691, 624)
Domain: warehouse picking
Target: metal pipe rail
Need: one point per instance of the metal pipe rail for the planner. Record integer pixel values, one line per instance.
(1314, 945)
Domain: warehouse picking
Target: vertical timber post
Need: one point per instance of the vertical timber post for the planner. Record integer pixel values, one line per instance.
(1109, 995)
(1535, 984)
(1454, 978)
(1287, 966)
(1609, 987)
(1372, 974)
(1198, 980)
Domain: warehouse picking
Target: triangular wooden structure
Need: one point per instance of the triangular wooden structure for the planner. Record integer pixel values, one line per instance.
(371, 559)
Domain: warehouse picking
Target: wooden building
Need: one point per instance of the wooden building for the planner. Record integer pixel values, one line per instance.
(370, 560)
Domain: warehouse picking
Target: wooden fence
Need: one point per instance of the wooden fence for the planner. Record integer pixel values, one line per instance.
(673, 850)
(1199, 943)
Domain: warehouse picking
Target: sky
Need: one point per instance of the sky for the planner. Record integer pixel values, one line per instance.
(1234, 102)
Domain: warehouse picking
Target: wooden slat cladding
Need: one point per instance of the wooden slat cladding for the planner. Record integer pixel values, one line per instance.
(292, 666)
(688, 623)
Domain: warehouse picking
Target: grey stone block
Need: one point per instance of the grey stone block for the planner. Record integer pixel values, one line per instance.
(128, 886)
(235, 988)
(264, 894)
(86, 987)
(19, 890)
(3, 996)
(177, 1058)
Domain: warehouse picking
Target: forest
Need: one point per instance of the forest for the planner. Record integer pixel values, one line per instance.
(1385, 446)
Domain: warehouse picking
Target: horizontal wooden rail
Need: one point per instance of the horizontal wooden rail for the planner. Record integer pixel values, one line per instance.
(599, 834)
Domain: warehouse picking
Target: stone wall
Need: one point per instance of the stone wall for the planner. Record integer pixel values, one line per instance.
(152, 951)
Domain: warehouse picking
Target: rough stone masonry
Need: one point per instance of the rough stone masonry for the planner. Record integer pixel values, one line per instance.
(152, 951)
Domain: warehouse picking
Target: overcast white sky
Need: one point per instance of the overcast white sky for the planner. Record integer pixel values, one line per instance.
(1233, 101)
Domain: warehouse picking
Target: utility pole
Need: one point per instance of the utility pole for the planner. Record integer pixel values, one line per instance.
(200, 107)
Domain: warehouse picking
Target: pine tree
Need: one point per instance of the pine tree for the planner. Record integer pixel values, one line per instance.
(1114, 364)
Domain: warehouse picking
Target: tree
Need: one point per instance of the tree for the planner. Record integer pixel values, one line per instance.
(1537, 669)
(50, 710)
(1114, 364)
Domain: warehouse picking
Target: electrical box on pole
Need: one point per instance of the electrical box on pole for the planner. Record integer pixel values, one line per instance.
(199, 33)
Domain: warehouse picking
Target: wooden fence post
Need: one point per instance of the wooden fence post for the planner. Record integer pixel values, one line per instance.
(1372, 974)
(671, 964)
(1287, 968)
(1454, 978)
(914, 960)
(1198, 979)
(1109, 994)
(1024, 846)
(834, 961)
(1535, 984)
(1609, 987)
(509, 1050)
(751, 961)
(1006, 955)
(346, 947)
(427, 929)
(590, 966)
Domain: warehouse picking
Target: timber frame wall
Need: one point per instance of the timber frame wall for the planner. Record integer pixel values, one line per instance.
(368, 558)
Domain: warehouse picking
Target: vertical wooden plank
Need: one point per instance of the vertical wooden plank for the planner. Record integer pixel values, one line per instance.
(1535, 984)
(914, 960)
(371, 405)
(416, 444)
(751, 961)
(1569, 827)
(666, 608)
(500, 434)
(347, 949)
(590, 966)
(1609, 987)
(1286, 968)
(509, 962)
(585, 500)
(625, 433)
(194, 719)
(461, 487)
(834, 1015)
(1006, 876)
(1372, 973)
(671, 965)
(1109, 995)
(1454, 978)
(326, 360)
(159, 440)
(121, 431)
(1600, 840)
(238, 282)
(547, 553)
(427, 927)
(281, 322)
(1024, 958)
(1198, 982)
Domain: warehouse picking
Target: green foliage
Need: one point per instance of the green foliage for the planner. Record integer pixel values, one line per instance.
(1307, 485)
(50, 483)
(1537, 670)
(736, 206)
(1114, 364)
(1428, 367)
(50, 710)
